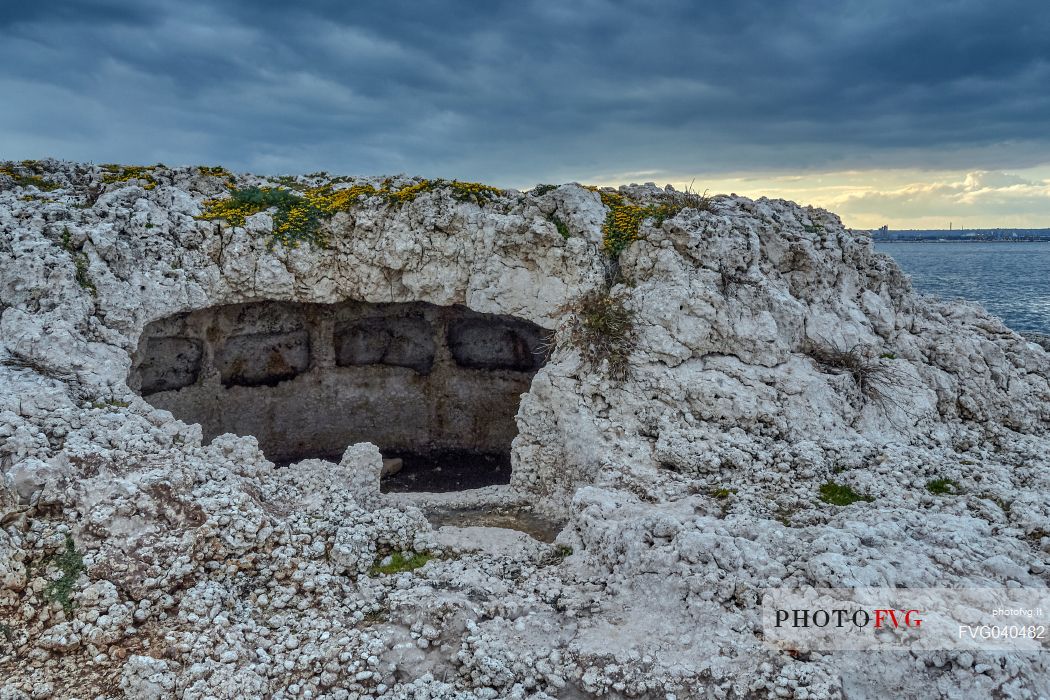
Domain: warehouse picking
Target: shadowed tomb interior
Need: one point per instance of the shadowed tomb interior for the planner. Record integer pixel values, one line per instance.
(436, 386)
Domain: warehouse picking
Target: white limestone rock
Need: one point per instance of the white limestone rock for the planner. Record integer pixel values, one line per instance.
(146, 678)
(205, 570)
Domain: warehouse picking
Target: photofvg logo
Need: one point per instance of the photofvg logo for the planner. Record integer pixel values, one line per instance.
(827, 619)
(842, 617)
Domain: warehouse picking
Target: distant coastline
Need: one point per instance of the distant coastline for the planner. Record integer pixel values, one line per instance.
(1006, 235)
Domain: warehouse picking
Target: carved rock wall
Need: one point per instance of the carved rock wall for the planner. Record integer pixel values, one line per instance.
(308, 380)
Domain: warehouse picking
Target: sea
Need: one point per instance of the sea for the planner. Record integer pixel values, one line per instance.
(1011, 280)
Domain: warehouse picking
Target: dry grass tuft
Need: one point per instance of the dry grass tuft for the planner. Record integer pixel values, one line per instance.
(602, 329)
(873, 374)
(673, 202)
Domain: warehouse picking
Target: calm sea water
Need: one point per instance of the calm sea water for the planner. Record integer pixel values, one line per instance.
(1012, 280)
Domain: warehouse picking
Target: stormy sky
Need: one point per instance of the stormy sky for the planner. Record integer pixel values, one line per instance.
(889, 111)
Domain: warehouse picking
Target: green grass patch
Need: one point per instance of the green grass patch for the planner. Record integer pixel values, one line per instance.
(70, 563)
(943, 487)
(80, 261)
(840, 494)
(398, 563)
(262, 198)
(560, 225)
(110, 403)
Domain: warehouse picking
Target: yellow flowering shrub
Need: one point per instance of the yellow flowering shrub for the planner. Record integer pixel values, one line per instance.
(471, 191)
(213, 171)
(462, 191)
(329, 200)
(409, 193)
(624, 220)
(295, 218)
(126, 173)
(28, 173)
(299, 214)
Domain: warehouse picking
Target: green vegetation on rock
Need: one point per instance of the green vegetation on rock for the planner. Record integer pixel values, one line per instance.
(70, 563)
(28, 173)
(840, 494)
(80, 261)
(300, 210)
(624, 220)
(112, 173)
(560, 225)
(602, 329)
(398, 562)
(942, 487)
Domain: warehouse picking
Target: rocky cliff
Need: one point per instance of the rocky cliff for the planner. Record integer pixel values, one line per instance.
(734, 396)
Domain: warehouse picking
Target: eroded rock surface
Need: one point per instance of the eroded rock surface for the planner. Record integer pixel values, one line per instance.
(138, 559)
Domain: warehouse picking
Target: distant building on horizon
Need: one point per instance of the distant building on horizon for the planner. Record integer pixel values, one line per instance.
(883, 233)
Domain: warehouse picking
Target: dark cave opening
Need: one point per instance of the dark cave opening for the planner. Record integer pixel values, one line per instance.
(436, 387)
(447, 470)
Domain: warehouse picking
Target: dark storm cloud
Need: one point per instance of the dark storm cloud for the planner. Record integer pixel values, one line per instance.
(518, 91)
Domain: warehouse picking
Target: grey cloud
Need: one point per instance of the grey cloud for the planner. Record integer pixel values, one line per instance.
(514, 92)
